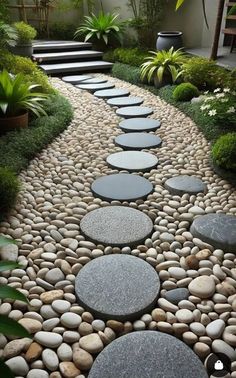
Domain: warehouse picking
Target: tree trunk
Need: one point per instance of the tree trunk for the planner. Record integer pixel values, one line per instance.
(215, 44)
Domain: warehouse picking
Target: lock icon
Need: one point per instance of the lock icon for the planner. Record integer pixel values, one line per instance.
(219, 365)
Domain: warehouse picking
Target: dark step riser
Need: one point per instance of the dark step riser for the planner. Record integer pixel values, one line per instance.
(61, 73)
(61, 49)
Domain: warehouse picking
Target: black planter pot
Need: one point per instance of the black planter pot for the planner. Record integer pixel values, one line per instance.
(167, 39)
(23, 50)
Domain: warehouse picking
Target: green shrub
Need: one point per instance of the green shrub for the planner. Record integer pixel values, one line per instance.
(134, 57)
(62, 30)
(17, 64)
(127, 73)
(224, 152)
(26, 33)
(185, 92)
(9, 188)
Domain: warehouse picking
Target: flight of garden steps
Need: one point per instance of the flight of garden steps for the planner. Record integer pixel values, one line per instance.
(60, 57)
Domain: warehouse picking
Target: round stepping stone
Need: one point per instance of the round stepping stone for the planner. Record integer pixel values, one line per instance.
(133, 161)
(218, 230)
(95, 80)
(110, 93)
(134, 111)
(95, 87)
(137, 141)
(116, 226)
(139, 124)
(147, 354)
(119, 287)
(125, 101)
(76, 79)
(180, 185)
(121, 187)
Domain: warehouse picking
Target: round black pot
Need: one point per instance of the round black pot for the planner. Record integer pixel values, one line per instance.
(167, 39)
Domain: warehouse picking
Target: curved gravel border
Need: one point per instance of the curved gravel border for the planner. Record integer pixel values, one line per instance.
(56, 195)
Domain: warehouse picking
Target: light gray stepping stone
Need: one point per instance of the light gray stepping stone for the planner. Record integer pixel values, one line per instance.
(180, 185)
(116, 226)
(134, 111)
(121, 187)
(218, 230)
(125, 101)
(133, 161)
(147, 354)
(59, 68)
(119, 287)
(111, 93)
(95, 87)
(139, 124)
(137, 141)
(95, 80)
(75, 79)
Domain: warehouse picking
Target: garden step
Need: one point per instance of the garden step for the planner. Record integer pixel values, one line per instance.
(132, 161)
(67, 55)
(60, 45)
(61, 68)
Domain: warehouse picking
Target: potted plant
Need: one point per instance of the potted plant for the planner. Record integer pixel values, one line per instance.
(16, 99)
(163, 67)
(26, 34)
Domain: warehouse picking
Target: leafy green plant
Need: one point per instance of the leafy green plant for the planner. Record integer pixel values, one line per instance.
(4, 13)
(9, 189)
(17, 96)
(163, 64)
(224, 152)
(8, 35)
(185, 92)
(9, 327)
(134, 57)
(103, 27)
(221, 107)
(232, 10)
(62, 30)
(26, 33)
(126, 72)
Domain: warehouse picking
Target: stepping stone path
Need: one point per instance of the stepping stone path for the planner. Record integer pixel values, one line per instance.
(119, 287)
(76, 79)
(218, 230)
(121, 187)
(95, 87)
(139, 124)
(137, 141)
(132, 161)
(111, 93)
(125, 101)
(116, 226)
(134, 112)
(95, 80)
(147, 354)
(180, 185)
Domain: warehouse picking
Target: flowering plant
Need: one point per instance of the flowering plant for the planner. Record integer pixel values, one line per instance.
(221, 106)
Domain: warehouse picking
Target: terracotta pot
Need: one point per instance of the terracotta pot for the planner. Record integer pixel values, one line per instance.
(13, 123)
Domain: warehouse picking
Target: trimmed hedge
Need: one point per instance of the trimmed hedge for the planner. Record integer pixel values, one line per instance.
(185, 92)
(133, 56)
(17, 148)
(224, 152)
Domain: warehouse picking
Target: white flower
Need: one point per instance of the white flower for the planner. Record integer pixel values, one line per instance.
(212, 113)
(220, 95)
(217, 90)
(226, 90)
(224, 100)
(209, 98)
(231, 110)
(205, 93)
(204, 107)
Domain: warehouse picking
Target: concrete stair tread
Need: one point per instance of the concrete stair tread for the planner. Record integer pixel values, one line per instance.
(59, 45)
(75, 66)
(66, 55)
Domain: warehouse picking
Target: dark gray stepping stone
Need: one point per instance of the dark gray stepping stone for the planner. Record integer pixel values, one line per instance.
(76, 79)
(133, 161)
(95, 80)
(218, 230)
(139, 124)
(95, 87)
(116, 226)
(134, 111)
(119, 287)
(137, 141)
(121, 187)
(147, 354)
(111, 93)
(125, 101)
(180, 185)
(177, 295)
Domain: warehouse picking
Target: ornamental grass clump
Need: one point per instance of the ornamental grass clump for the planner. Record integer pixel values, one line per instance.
(221, 107)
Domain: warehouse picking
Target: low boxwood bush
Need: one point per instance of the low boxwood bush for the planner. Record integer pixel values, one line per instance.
(224, 152)
(127, 73)
(185, 92)
(9, 188)
(134, 57)
(18, 147)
